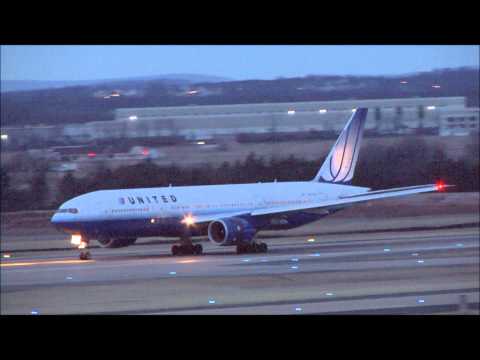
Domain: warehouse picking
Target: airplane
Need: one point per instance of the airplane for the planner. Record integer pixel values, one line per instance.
(230, 215)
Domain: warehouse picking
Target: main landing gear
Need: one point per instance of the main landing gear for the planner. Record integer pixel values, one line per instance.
(186, 247)
(252, 248)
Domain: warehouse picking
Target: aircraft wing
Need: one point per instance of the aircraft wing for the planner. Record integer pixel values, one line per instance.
(351, 199)
(344, 200)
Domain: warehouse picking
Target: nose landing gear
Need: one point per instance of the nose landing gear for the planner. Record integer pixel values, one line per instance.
(85, 255)
(82, 244)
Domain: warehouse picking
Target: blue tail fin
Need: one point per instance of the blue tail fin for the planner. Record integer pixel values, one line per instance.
(339, 166)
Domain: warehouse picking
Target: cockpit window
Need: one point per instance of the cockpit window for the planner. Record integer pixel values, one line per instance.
(70, 210)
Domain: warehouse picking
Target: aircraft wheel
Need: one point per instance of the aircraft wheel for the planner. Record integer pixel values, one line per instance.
(176, 250)
(85, 255)
(198, 249)
(262, 247)
(241, 249)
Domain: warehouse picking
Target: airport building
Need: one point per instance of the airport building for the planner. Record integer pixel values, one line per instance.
(436, 116)
(386, 116)
(459, 122)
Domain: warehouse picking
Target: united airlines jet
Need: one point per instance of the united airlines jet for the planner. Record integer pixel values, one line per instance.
(231, 215)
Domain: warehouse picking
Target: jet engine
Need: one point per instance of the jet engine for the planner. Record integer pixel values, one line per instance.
(230, 231)
(108, 242)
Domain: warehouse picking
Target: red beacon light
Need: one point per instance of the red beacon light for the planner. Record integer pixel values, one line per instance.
(440, 185)
(91, 154)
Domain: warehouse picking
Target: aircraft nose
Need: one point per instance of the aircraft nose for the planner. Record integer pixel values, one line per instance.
(54, 219)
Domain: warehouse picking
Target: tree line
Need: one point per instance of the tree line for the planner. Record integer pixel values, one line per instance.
(409, 162)
(79, 104)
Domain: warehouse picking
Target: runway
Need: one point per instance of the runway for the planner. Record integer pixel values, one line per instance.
(384, 273)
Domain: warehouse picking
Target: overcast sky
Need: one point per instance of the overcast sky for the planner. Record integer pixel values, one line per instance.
(40, 62)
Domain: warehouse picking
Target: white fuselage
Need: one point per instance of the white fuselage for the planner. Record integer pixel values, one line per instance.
(177, 202)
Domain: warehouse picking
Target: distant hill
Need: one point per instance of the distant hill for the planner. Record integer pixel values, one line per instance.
(97, 102)
(27, 85)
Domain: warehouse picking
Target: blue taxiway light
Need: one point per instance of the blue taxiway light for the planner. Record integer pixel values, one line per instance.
(211, 301)
(414, 254)
(245, 260)
(316, 254)
(329, 294)
(69, 278)
(421, 301)
(173, 273)
(34, 312)
(294, 259)
(386, 250)
(294, 267)
(459, 245)
(420, 261)
(298, 309)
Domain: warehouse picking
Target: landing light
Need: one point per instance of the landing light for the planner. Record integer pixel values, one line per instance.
(431, 107)
(322, 111)
(188, 220)
(200, 142)
(133, 118)
(76, 240)
(6, 256)
(4, 137)
(291, 112)
(311, 240)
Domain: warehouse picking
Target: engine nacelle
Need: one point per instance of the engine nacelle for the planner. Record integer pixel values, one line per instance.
(230, 231)
(115, 243)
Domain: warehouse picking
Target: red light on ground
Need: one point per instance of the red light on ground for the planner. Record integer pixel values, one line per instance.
(91, 154)
(145, 152)
(440, 185)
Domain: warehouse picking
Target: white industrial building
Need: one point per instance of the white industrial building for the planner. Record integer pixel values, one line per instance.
(201, 122)
(459, 122)
(385, 116)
